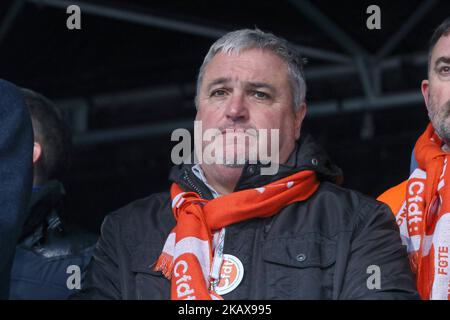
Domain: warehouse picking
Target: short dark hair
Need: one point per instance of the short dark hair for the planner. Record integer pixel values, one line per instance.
(441, 31)
(52, 133)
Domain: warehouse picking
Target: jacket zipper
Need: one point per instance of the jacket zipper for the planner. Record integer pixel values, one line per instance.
(192, 185)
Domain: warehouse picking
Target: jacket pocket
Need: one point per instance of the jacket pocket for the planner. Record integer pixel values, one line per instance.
(300, 267)
(149, 284)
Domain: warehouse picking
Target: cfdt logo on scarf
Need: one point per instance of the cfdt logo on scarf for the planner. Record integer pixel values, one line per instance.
(231, 274)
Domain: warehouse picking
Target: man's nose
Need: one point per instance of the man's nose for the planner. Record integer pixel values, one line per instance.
(237, 109)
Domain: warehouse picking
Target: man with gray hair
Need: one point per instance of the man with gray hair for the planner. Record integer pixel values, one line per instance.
(226, 230)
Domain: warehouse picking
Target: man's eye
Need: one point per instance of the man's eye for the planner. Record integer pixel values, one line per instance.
(445, 70)
(218, 93)
(260, 95)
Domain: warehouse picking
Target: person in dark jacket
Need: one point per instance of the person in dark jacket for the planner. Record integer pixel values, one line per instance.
(231, 230)
(16, 149)
(51, 256)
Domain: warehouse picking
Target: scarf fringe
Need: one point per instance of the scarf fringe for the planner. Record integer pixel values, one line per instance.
(165, 265)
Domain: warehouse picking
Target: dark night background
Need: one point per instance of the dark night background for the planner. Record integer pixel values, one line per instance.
(127, 79)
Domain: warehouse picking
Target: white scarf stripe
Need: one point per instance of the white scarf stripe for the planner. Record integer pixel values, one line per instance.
(175, 200)
(169, 246)
(199, 248)
(441, 239)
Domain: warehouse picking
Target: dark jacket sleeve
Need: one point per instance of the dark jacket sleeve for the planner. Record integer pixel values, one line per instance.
(102, 274)
(16, 150)
(378, 267)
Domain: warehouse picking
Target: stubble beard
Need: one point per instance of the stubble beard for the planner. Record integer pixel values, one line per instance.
(440, 118)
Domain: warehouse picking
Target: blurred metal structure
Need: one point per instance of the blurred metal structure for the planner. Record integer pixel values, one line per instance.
(356, 63)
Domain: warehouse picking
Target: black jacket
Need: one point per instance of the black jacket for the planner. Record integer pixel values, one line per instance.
(338, 233)
(16, 175)
(50, 255)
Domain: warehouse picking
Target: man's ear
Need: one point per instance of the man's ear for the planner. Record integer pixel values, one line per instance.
(299, 116)
(37, 152)
(425, 87)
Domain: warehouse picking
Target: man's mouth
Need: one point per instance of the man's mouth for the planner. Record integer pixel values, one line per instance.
(246, 131)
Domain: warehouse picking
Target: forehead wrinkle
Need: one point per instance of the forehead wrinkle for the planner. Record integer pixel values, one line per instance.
(256, 85)
(217, 81)
(241, 84)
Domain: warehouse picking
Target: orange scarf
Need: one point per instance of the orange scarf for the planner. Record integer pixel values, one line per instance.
(188, 252)
(424, 217)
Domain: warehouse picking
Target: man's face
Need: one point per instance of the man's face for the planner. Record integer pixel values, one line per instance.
(249, 90)
(436, 90)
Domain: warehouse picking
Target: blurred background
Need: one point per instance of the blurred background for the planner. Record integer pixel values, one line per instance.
(126, 80)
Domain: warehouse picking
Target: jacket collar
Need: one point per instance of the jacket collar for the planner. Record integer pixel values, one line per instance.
(307, 155)
(43, 212)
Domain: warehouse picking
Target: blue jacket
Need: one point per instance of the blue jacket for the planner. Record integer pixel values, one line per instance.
(51, 257)
(16, 150)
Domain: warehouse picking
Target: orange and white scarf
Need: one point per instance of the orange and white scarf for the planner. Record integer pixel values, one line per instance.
(424, 217)
(187, 257)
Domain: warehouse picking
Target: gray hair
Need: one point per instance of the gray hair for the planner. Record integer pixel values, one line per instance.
(245, 39)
